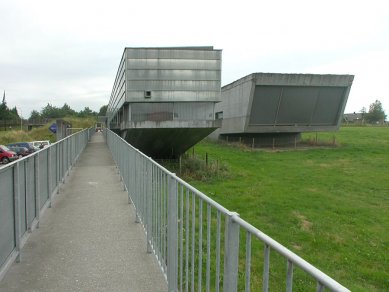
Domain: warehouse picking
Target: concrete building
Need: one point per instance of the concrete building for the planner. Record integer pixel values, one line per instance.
(163, 99)
(262, 107)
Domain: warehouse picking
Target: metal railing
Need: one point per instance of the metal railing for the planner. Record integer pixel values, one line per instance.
(195, 239)
(27, 186)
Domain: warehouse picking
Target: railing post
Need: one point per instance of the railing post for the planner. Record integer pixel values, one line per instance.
(28, 191)
(37, 189)
(172, 235)
(137, 189)
(149, 206)
(289, 276)
(266, 268)
(231, 254)
(49, 175)
(16, 193)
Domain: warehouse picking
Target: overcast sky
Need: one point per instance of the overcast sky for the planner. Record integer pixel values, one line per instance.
(68, 51)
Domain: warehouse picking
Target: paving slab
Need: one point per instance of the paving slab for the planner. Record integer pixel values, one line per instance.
(88, 240)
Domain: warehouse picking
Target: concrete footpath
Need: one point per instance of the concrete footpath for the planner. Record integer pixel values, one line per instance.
(88, 240)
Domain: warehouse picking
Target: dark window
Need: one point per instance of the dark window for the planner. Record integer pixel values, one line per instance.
(147, 94)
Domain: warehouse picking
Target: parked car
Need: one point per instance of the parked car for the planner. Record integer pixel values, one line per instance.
(6, 155)
(20, 151)
(28, 145)
(41, 144)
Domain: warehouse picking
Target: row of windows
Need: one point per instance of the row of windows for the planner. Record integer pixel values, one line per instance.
(171, 111)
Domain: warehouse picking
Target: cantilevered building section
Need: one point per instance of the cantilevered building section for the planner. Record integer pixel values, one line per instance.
(262, 107)
(163, 99)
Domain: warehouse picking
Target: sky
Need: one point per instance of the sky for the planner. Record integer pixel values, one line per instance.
(68, 51)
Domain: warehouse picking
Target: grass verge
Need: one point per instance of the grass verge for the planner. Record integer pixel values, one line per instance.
(328, 205)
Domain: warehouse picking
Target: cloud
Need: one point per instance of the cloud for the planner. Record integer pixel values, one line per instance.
(69, 51)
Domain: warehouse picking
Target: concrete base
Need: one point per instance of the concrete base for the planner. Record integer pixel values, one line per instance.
(165, 143)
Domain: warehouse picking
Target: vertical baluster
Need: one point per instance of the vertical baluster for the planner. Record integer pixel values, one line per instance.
(266, 268)
(200, 267)
(158, 189)
(248, 260)
(231, 254)
(172, 244)
(181, 233)
(217, 276)
(17, 217)
(289, 276)
(37, 189)
(319, 287)
(193, 239)
(187, 242)
(208, 273)
(149, 206)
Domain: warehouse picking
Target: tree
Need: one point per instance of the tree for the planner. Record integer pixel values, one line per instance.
(376, 113)
(86, 112)
(14, 113)
(51, 112)
(103, 110)
(67, 111)
(6, 113)
(35, 115)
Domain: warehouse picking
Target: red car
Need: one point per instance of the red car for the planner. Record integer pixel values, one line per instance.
(7, 155)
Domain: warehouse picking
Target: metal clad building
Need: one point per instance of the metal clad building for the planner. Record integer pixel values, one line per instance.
(163, 99)
(269, 103)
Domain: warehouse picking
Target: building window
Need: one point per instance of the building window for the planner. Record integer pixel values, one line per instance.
(219, 115)
(147, 94)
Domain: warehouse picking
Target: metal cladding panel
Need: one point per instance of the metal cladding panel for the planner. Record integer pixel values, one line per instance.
(43, 187)
(173, 95)
(265, 104)
(174, 85)
(297, 105)
(176, 74)
(52, 169)
(330, 102)
(202, 53)
(118, 91)
(285, 103)
(22, 196)
(155, 74)
(173, 64)
(30, 189)
(7, 231)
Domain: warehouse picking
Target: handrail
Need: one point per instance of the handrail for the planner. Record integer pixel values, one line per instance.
(27, 188)
(183, 225)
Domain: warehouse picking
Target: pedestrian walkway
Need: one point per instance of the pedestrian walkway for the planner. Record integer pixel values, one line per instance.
(88, 240)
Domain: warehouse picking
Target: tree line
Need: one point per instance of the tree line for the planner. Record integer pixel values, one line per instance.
(53, 112)
(7, 113)
(376, 113)
(48, 112)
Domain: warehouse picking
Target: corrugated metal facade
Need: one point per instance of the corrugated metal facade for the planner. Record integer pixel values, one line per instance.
(181, 76)
(163, 99)
(276, 103)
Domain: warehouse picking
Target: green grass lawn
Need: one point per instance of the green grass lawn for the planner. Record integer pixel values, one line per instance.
(328, 205)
